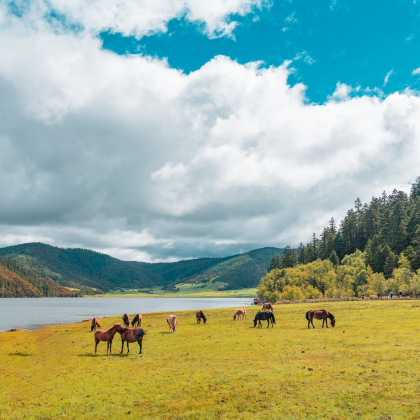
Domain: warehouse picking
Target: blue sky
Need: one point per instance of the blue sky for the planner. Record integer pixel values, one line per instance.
(353, 42)
(106, 145)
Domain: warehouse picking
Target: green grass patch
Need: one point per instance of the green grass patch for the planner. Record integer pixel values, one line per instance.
(366, 367)
(206, 289)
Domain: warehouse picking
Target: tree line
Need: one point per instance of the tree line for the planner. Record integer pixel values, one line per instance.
(383, 236)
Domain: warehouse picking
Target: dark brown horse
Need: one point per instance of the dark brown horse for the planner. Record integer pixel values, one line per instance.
(200, 316)
(126, 320)
(131, 336)
(264, 316)
(267, 307)
(137, 319)
(107, 336)
(94, 324)
(320, 314)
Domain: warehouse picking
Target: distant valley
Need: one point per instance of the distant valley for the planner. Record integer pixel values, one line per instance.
(37, 269)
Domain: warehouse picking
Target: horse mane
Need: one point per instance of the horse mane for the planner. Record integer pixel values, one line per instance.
(274, 319)
(331, 316)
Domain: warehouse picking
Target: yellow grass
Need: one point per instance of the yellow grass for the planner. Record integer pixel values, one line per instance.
(366, 367)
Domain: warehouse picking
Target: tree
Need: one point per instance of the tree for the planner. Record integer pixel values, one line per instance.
(334, 258)
(377, 282)
(275, 263)
(288, 258)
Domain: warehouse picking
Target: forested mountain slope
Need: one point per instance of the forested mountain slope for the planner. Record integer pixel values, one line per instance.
(92, 272)
(17, 281)
(375, 249)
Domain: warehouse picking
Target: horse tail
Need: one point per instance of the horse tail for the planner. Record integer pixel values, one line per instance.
(140, 333)
(307, 316)
(274, 319)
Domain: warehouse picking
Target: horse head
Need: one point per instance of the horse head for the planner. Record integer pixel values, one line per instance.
(332, 322)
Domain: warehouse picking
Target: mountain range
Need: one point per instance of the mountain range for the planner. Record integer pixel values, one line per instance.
(37, 269)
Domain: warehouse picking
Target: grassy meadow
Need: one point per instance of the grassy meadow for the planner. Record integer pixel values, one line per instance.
(186, 290)
(366, 367)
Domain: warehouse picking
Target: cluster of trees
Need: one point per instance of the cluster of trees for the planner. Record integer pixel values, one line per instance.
(323, 278)
(383, 236)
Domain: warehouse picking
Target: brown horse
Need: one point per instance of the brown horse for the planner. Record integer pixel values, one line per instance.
(240, 312)
(200, 316)
(172, 321)
(320, 314)
(94, 324)
(126, 320)
(267, 307)
(131, 336)
(137, 319)
(107, 336)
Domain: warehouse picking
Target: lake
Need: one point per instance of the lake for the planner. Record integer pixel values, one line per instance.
(32, 313)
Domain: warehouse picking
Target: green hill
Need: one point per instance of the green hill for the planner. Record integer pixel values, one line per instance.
(92, 272)
(17, 281)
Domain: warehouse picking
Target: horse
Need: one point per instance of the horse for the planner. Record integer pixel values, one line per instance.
(126, 320)
(94, 324)
(267, 307)
(267, 316)
(320, 314)
(108, 336)
(131, 336)
(240, 312)
(200, 315)
(137, 319)
(172, 320)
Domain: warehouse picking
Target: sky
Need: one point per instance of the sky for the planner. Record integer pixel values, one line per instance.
(160, 131)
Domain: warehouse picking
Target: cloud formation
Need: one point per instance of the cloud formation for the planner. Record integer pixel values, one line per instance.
(126, 155)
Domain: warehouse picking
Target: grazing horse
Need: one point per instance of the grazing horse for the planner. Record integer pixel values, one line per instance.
(200, 315)
(131, 336)
(172, 320)
(137, 319)
(94, 324)
(108, 336)
(240, 312)
(321, 314)
(267, 307)
(126, 320)
(264, 316)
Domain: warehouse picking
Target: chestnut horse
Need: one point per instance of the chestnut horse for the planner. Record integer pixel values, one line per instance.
(200, 315)
(320, 314)
(267, 307)
(137, 319)
(240, 312)
(264, 316)
(108, 336)
(131, 336)
(94, 324)
(126, 320)
(172, 321)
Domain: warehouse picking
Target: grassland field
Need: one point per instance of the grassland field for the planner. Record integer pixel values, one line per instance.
(368, 366)
(186, 290)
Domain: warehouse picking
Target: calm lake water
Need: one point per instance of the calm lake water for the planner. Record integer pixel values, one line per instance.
(32, 313)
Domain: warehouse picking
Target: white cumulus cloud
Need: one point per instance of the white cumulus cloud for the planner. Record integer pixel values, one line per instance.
(126, 155)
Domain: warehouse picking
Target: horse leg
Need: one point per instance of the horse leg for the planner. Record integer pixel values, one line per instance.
(128, 348)
(122, 347)
(96, 344)
(140, 344)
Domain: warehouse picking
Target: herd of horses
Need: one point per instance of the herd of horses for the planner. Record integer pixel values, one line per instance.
(136, 334)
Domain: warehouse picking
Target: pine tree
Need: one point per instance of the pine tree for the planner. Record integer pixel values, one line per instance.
(275, 262)
(288, 258)
(334, 258)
